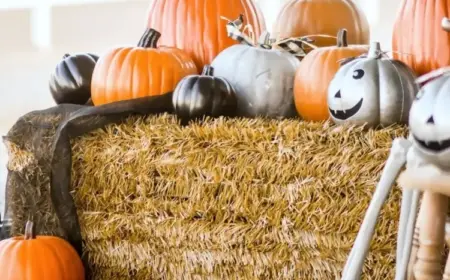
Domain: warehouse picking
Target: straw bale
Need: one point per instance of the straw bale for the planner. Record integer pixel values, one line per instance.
(29, 145)
(230, 198)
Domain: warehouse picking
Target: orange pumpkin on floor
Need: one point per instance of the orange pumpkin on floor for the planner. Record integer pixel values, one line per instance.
(311, 17)
(196, 27)
(315, 73)
(33, 257)
(132, 72)
(419, 39)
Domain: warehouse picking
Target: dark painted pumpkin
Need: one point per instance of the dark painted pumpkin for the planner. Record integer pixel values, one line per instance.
(203, 95)
(71, 80)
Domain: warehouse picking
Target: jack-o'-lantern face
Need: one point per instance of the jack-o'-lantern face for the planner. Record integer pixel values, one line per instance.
(371, 90)
(429, 121)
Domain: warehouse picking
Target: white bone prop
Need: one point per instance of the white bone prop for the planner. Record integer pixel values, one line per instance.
(408, 215)
(429, 123)
(395, 162)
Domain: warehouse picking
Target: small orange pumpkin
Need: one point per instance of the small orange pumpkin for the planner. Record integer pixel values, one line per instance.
(33, 257)
(315, 73)
(132, 72)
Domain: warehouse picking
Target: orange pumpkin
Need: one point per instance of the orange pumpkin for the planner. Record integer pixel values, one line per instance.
(33, 257)
(196, 25)
(315, 73)
(418, 39)
(312, 17)
(131, 72)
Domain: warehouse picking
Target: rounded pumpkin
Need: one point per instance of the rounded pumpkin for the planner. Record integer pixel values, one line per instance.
(315, 73)
(32, 257)
(372, 90)
(299, 18)
(262, 78)
(132, 72)
(418, 38)
(70, 82)
(429, 118)
(203, 95)
(196, 27)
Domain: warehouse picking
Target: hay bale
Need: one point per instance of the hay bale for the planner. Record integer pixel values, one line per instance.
(230, 199)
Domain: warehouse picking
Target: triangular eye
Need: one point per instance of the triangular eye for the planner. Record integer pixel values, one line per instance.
(430, 120)
(338, 94)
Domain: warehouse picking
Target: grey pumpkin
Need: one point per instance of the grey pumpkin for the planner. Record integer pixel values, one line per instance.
(262, 78)
(372, 90)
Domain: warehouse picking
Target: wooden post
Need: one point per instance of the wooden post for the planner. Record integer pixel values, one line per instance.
(431, 237)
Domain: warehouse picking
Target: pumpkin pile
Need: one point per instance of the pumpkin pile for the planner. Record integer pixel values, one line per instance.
(214, 58)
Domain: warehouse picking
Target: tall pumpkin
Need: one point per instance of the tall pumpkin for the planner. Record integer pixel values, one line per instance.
(196, 27)
(315, 73)
(309, 17)
(418, 39)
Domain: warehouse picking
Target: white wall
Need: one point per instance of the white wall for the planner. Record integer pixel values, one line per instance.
(24, 69)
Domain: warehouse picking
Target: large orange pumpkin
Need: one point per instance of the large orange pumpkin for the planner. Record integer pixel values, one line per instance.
(311, 17)
(131, 72)
(315, 73)
(31, 257)
(196, 25)
(418, 39)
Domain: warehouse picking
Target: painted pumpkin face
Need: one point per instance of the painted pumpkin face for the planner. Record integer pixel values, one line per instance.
(429, 121)
(372, 90)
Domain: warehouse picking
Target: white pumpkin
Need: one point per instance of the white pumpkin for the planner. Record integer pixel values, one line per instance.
(372, 90)
(262, 78)
(429, 120)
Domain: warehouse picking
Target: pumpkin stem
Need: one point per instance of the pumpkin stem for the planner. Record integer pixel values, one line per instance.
(29, 231)
(342, 38)
(149, 39)
(374, 50)
(208, 70)
(66, 55)
(445, 24)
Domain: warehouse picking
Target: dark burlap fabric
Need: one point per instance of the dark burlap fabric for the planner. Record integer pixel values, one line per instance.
(43, 137)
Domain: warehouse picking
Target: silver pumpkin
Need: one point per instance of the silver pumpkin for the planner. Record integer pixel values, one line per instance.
(372, 90)
(262, 78)
(429, 120)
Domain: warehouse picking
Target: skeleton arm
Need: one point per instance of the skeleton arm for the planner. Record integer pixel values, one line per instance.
(396, 160)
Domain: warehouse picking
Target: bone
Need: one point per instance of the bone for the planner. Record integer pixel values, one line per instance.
(431, 237)
(395, 162)
(426, 178)
(408, 215)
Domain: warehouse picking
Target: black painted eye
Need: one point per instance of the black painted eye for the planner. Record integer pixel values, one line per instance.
(358, 74)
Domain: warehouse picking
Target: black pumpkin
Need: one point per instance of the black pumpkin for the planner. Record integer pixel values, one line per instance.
(203, 95)
(71, 80)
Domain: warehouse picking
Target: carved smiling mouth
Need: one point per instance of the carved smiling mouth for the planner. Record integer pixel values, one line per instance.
(434, 146)
(345, 114)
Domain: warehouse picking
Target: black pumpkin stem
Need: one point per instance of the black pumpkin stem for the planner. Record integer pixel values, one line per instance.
(208, 70)
(29, 231)
(149, 39)
(342, 38)
(66, 56)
